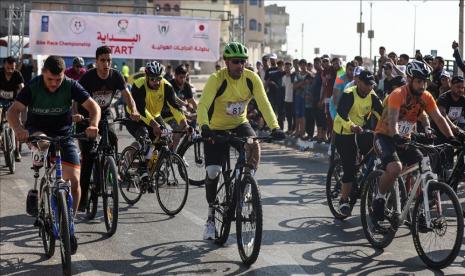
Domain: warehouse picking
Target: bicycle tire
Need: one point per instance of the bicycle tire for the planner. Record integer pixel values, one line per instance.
(163, 185)
(223, 212)
(9, 150)
(418, 228)
(128, 166)
(110, 181)
(251, 198)
(92, 193)
(387, 233)
(46, 229)
(65, 244)
(333, 188)
(195, 170)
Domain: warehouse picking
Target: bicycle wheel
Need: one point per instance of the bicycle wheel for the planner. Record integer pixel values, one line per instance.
(194, 158)
(439, 244)
(333, 188)
(110, 195)
(249, 221)
(379, 233)
(130, 184)
(65, 244)
(46, 228)
(92, 193)
(171, 187)
(223, 212)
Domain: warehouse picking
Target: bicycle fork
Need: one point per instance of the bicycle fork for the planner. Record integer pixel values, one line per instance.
(62, 187)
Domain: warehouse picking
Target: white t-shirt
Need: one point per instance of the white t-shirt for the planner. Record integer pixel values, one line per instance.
(288, 88)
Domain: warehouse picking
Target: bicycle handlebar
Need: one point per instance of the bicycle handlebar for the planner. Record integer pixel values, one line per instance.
(57, 139)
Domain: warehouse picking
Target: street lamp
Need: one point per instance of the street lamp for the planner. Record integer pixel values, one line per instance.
(415, 22)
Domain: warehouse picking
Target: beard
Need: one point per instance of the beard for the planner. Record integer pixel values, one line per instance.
(416, 92)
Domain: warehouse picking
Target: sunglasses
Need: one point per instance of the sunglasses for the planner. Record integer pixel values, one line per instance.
(237, 61)
(155, 78)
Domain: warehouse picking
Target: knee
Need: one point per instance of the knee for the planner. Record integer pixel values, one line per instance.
(394, 168)
(213, 171)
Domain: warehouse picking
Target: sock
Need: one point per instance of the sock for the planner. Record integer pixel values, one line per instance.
(380, 195)
(211, 213)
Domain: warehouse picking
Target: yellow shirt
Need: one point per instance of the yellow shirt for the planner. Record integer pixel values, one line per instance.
(150, 102)
(227, 109)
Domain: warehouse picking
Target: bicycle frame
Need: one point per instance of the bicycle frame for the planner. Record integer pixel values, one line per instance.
(425, 177)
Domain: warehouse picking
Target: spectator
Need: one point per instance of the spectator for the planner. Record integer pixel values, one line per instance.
(90, 66)
(264, 68)
(381, 61)
(339, 87)
(301, 82)
(403, 59)
(429, 60)
(169, 73)
(445, 82)
(338, 72)
(187, 65)
(288, 97)
(125, 70)
(359, 59)
(76, 71)
(27, 67)
(295, 65)
(392, 56)
(272, 81)
(458, 58)
(319, 90)
(217, 67)
(435, 83)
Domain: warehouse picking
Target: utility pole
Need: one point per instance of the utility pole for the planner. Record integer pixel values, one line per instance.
(371, 33)
(16, 24)
(302, 49)
(360, 54)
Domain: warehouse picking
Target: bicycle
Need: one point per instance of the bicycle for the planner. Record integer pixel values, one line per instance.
(7, 139)
(238, 199)
(54, 216)
(166, 172)
(435, 210)
(364, 166)
(191, 150)
(104, 180)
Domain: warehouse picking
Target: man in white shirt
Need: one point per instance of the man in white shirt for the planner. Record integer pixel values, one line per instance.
(288, 96)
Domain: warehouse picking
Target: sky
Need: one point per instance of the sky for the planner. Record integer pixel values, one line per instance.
(331, 26)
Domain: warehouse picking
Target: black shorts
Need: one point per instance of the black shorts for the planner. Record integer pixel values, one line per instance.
(388, 151)
(216, 154)
(348, 150)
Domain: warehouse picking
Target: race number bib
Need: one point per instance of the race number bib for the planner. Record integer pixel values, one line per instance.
(103, 100)
(8, 95)
(405, 128)
(455, 112)
(235, 109)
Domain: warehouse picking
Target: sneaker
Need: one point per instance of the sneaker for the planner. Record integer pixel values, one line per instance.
(74, 244)
(344, 207)
(17, 156)
(378, 209)
(32, 202)
(209, 232)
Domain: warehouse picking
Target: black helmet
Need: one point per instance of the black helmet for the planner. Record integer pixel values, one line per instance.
(418, 69)
(154, 68)
(79, 61)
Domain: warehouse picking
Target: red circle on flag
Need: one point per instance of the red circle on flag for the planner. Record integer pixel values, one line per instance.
(201, 27)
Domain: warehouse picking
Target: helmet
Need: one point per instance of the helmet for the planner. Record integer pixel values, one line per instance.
(235, 50)
(154, 68)
(79, 61)
(418, 69)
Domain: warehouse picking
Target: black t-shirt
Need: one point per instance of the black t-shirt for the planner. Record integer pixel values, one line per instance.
(51, 112)
(9, 88)
(275, 75)
(101, 90)
(455, 110)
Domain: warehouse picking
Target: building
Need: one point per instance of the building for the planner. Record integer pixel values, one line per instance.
(276, 23)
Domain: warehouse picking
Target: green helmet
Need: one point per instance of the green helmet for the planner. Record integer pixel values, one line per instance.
(235, 50)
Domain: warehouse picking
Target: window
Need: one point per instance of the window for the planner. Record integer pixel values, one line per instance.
(259, 27)
(260, 3)
(166, 8)
(253, 25)
(253, 2)
(237, 2)
(176, 8)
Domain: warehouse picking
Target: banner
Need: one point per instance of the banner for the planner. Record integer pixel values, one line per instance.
(128, 36)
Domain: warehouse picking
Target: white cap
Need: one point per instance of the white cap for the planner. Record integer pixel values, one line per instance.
(358, 70)
(444, 73)
(273, 56)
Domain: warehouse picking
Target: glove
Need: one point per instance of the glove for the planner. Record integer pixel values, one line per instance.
(206, 132)
(278, 134)
(461, 135)
(454, 142)
(399, 140)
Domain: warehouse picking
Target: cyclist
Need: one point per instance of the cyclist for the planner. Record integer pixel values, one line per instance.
(403, 108)
(452, 105)
(151, 93)
(184, 98)
(76, 71)
(11, 82)
(49, 99)
(102, 83)
(355, 105)
(223, 106)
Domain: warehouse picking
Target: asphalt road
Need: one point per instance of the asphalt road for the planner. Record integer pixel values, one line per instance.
(300, 236)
